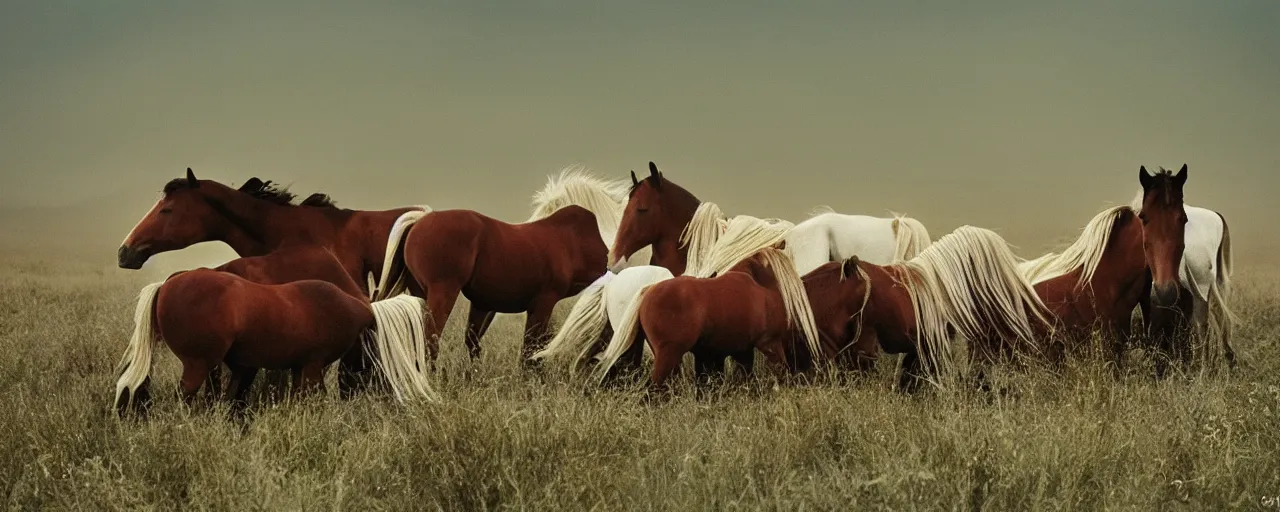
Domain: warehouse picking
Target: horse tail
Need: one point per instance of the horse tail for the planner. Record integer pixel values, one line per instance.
(1225, 261)
(399, 340)
(586, 321)
(1221, 317)
(909, 237)
(392, 282)
(624, 334)
(135, 366)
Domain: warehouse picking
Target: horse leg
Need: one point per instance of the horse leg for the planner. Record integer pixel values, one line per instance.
(238, 390)
(310, 379)
(776, 356)
(478, 321)
(441, 297)
(909, 376)
(354, 370)
(706, 365)
(666, 360)
(213, 386)
(745, 359)
(629, 361)
(194, 374)
(1121, 331)
(535, 325)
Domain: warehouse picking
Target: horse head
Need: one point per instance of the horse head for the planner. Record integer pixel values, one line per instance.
(1164, 223)
(656, 210)
(181, 218)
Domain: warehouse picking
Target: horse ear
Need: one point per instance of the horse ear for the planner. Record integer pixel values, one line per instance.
(253, 184)
(657, 176)
(1144, 177)
(850, 266)
(634, 181)
(192, 182)
(1181, 178)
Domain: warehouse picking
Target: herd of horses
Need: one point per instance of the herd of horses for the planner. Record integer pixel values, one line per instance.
(653, 266)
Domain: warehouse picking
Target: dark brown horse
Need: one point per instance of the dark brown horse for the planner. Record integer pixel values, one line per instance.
(1123, 257)
(758, 304)
(209, 317)
(967, 282)
(278, 241)
(656, 215)
(499, 267)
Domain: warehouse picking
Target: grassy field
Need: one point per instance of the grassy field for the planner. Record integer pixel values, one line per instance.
(504, 440)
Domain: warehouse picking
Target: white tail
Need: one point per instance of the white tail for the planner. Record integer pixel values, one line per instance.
(392, 281)
(135, 366)
(400, 341)
(586, 321)
(624, 334)
(910, 238)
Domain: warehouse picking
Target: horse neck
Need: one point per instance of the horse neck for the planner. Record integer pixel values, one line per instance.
(889, 311)
(255, 227)
(668, 251)
(1123, 261)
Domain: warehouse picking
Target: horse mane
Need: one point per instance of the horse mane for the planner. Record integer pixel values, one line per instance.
(577, 185)
(1085, 253)
(745, 235)
(969, 280)
(909, 236)
(319, 200)
(265, 190)
(700, 235)
(794, 298)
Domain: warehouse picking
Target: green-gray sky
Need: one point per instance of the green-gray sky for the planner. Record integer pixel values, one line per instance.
(1025, 117)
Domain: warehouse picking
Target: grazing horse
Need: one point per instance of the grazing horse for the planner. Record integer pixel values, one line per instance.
(1122, 256)
(757, 304)
(659, 212)
(499, 267)
(967, 282)
(601, 306)
(209, 317)
(1204, 280)
(278, 241)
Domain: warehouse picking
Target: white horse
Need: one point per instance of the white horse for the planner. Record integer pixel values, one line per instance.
(828, 236)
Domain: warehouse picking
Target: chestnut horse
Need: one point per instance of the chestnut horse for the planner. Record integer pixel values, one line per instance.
(966, 282)
(278, 241)
(209, 317)
(499, 267)
(1123, 256)
(757, 304)
(659, 212)
(599, 308)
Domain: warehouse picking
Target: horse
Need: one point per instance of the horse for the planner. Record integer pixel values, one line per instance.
(758, 304)
(278, 241)
(715, 246)
(658, 212)
(257, 219)
(209, 317)
(499, 267)
(966, 283)
(576, 185)
(1123, 255)
(1204, 280)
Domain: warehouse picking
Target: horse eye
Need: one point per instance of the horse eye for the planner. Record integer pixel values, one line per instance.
(166, 210)
(642, 210)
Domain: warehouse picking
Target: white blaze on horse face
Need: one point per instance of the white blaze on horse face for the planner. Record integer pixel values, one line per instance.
(150, 212)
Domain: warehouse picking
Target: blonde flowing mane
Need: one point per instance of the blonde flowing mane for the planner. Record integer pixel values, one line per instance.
(577, 185)
(744, 236)
(1085, 253)
(910, 237)
(794, 298)
(700, 235)
(969, 280)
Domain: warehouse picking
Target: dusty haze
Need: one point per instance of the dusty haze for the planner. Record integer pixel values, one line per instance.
(1026, 119)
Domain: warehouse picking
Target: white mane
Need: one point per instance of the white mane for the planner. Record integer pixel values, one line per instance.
(910, 237)
(794, 298)
(744, 236)
(577, 185)
(969, 280)
(1085, 253)
(701, 234)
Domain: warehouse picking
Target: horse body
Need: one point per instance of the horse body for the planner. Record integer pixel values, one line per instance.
(209, 317)
(501, 267)
(834, 236)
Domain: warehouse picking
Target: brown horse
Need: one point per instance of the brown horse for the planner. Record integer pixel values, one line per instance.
(758, 304)
(279, 242)
(257, 219)
(1122, 257)
(499, 267)
(209, 317)
(967, 282)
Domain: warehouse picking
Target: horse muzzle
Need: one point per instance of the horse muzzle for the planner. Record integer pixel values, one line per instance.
(131, 258)
(1165, 296)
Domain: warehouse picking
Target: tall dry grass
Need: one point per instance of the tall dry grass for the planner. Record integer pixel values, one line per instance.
(507, 440)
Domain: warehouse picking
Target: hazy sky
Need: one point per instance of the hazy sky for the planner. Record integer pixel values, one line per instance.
(1020, 117)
